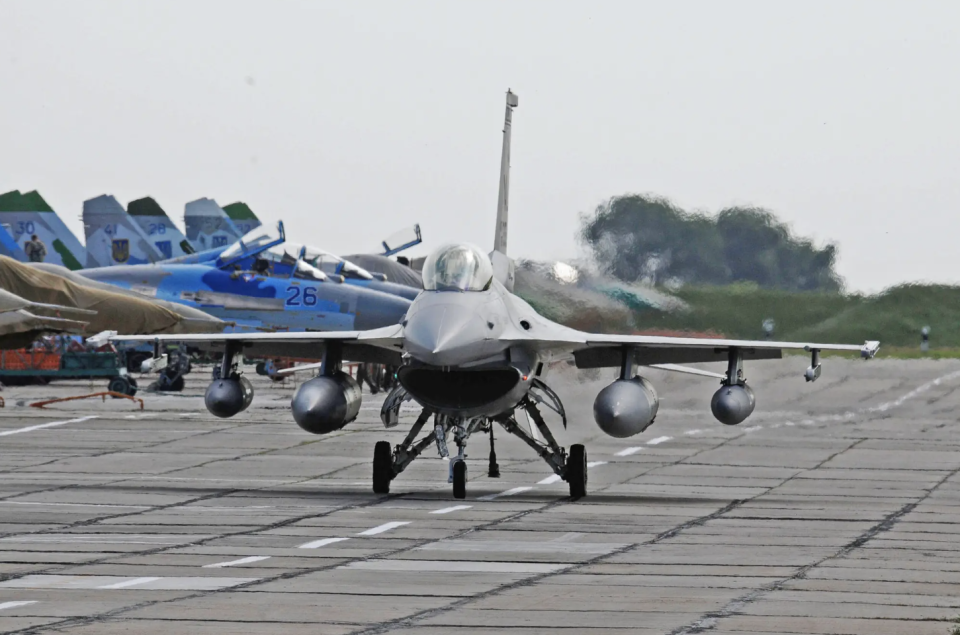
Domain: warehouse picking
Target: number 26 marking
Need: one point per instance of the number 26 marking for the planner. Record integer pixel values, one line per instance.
(309, 296)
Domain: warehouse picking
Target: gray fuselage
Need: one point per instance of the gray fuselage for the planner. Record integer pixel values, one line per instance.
(469, 354)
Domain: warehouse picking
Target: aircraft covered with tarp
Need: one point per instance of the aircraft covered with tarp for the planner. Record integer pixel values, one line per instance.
(113, 311)
(194, 320)
(23, 321)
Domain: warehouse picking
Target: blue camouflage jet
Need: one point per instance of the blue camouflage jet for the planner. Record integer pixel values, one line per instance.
(261, 288)
(276, 257)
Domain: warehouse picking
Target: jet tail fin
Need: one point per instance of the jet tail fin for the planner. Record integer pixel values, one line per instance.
(242, 216)
(113, 236)
(503, 267)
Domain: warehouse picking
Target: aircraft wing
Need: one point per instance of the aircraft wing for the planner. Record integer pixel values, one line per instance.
(606, 350)
(383, 345)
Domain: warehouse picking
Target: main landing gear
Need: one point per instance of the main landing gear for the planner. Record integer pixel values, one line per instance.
(571, 467)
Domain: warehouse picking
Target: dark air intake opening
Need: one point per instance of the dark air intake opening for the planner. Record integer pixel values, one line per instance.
(462, 389)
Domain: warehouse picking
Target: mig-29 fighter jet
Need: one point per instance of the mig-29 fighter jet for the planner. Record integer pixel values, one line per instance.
(471, 355)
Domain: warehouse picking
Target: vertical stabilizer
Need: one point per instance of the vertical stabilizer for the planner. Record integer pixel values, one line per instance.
(208, 226)
(242, 216)
(25, 215)
(113, 236)
(159, 229)
(502, 265)
(9, 247)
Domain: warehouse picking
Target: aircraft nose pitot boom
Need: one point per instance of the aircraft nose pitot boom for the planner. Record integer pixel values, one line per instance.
(445, 334)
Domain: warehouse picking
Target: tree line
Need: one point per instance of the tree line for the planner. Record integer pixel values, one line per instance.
(647, 238)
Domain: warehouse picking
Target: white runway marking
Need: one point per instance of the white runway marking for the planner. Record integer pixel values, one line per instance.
(919, 390)
(41, 426)
(521, 546)
(629, 451)
(659, 440)
(127, 583)
(753, 428)
(384, 527)
(447, 566)
(554, 478)
(692, 432)
(323, 542)
(73, 504)
(113, 582)
(108, 539)
(234, 563)
(13, 605)
(509, 492)
(447, 510)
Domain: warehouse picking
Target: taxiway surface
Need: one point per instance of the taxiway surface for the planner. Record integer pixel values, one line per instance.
(834, 509)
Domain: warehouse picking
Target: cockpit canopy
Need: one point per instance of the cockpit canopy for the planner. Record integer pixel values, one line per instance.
(462, 267)
(323, 260)
(253, 242)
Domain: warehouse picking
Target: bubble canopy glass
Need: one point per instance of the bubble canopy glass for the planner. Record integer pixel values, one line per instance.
(462, 267)
(253, 242)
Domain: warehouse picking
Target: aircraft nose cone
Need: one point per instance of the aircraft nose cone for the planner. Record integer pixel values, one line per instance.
(444, 335)
(376, 310)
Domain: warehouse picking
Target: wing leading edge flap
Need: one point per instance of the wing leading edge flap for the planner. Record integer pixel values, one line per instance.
(381, 345)
(606, 350)
(612, 356)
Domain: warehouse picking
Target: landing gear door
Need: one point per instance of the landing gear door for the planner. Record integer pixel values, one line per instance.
(390, 412)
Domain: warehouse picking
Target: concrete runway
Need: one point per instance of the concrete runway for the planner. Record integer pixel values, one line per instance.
(834, 509)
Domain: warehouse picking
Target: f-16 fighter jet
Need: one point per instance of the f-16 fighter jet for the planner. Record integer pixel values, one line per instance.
(471, 355)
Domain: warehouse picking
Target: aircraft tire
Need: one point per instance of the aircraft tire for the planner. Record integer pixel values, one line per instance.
(135, 360)
(382, 467)
(119, 384)
(577, 471)
(132, 390)
(460, 479)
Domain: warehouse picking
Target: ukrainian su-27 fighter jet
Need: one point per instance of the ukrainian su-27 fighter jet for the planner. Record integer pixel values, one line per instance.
(242, 287)
(471, 354)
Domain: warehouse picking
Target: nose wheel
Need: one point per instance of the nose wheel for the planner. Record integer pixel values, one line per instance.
(382, 467)
(460, 479)
(576, 475)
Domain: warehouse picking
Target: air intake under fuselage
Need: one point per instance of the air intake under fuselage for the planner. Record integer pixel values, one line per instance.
(463, 392)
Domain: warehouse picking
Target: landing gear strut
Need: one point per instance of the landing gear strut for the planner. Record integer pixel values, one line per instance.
(494, 470)
(566, 467)
(387, 464)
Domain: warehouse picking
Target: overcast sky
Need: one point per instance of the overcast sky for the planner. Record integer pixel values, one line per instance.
(349, 120)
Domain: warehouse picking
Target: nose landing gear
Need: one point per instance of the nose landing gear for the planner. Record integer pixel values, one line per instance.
(571, 467)
(382, 468)
(459, 479)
